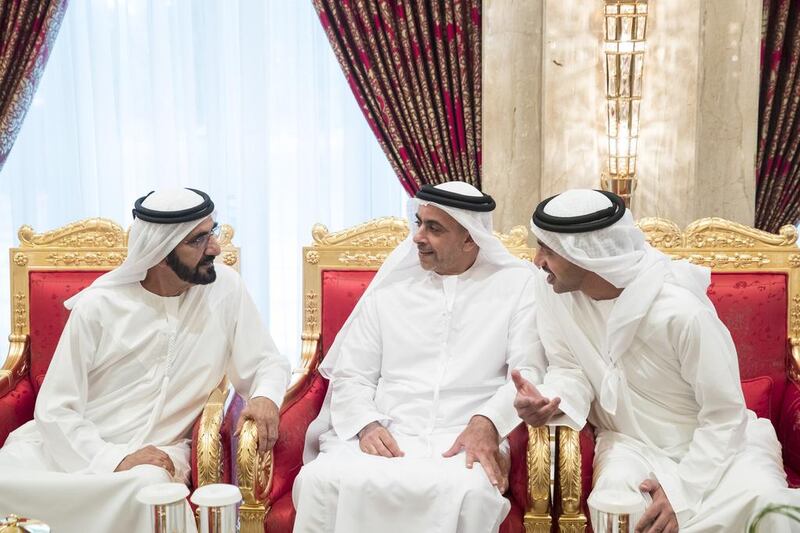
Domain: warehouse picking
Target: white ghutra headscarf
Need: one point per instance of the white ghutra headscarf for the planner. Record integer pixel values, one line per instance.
(150, 242)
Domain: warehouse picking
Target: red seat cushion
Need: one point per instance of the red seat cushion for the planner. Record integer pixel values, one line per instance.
(758, 395)
(280, 518)
(48, 292)
(296, 415)
(16, 408)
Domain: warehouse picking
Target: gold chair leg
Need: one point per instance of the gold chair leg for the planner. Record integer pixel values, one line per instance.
(251, 518)
(255, 479)
(537, 515)
(571, 520)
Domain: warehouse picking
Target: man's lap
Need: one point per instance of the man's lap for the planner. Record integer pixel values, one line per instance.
(343, 464)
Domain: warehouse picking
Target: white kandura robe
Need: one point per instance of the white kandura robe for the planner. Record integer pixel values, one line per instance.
(681, 414)
(425, 354)
(131, 369)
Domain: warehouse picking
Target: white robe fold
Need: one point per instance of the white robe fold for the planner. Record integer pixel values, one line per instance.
(680, 416)
(132, 369)
(424, 355)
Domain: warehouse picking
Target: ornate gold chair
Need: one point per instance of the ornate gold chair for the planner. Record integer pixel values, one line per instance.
(46, 269)
(755, 287)
(337, 268)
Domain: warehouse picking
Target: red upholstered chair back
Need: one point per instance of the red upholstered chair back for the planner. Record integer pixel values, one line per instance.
(754, 307)
(341, 290)
(48, 290)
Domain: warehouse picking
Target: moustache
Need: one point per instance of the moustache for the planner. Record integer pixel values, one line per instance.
(207, 260)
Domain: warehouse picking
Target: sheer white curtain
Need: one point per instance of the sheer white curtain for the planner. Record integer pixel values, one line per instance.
(243, 99)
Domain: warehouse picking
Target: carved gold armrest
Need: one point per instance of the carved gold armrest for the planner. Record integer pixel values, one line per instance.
(794, 364)
(255, 480)
(537, 510)
(209, 440)
(16, 364)
(568, 478)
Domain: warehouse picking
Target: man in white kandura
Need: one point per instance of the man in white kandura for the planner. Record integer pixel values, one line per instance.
(420, 398)
(143, 348)
(635, 345)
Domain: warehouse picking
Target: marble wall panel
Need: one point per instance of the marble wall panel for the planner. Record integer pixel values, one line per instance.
(544, 109)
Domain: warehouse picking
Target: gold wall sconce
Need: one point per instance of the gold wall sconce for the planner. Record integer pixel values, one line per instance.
(625, 30)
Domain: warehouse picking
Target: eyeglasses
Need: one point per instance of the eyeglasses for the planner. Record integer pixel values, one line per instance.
(201, 241)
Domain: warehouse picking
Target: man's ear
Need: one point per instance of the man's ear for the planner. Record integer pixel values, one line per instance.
(469, 244)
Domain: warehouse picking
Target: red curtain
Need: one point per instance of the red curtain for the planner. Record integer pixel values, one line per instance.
(27, 31)
(415, 70)
(778, 159)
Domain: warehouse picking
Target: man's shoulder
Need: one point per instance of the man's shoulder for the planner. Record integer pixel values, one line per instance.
(676, 305)
(97, 301)
(511, 277)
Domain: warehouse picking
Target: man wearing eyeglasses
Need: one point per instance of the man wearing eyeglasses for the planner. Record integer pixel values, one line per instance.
(143, 348)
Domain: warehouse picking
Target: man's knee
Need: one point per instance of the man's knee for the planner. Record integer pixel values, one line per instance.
(475, 485)
(317, 474)
(622, 479)
(145, 475)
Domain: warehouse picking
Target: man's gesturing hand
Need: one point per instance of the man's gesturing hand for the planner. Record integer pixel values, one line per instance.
(375, 439)
(659, 516)
(532, 407)
(481, 443)
(264, 413)
(149, 455)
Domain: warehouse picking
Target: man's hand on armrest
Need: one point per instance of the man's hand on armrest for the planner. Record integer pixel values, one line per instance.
(264, 413)
(149, 455)
(531, 406)
(375, 439)
(481, 443)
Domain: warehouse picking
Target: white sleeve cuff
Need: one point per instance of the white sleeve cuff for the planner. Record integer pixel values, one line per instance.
(570, 417)
(348, 427)
(271, 392)
(108, 459)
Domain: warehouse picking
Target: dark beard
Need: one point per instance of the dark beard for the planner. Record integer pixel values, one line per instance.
(193, 275)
